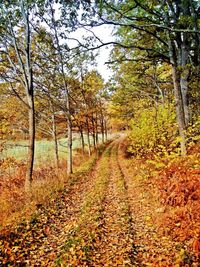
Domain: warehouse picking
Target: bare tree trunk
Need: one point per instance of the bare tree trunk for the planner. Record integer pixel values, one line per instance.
(180, 115)
(179, 110)
(93, 132)
(69, 131)
(65, 87)
(82, 139)
(88, 137)
(106, 130)
(96, 129)
(28, 82)
(54, 133)
(102, 131)
(102, 124)
(31, 147)
(184, 81)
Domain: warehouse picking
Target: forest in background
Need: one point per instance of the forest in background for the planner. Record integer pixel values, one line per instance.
(57, 106)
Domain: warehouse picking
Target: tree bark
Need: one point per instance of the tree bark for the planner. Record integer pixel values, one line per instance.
(106, 129)
(96, 129)
(179, 110)
(31, 147)
(184, 81)
(93, 132)
(102, 130)
(88, 137)
(102, 124)
(65, 87)
(180, 115)
(82, 139)
(29, 88)
(54, 133)
(69, 131)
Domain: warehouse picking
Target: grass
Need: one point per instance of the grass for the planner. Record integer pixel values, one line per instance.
(44, 149)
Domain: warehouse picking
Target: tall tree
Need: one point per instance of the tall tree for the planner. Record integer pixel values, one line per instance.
(164, 31)
(16, 53)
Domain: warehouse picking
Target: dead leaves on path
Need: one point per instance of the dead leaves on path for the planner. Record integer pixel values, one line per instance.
(109, 218)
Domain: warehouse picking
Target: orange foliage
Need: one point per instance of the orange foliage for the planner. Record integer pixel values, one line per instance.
(179, 190)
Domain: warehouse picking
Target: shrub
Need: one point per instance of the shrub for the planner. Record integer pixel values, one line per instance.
(153, 130)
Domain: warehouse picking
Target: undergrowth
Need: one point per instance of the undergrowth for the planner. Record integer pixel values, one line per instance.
(16, 204)
(175, 183)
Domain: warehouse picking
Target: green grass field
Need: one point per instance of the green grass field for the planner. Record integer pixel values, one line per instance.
(44, 149)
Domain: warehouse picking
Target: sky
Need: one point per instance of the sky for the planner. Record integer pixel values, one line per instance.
(103, 32)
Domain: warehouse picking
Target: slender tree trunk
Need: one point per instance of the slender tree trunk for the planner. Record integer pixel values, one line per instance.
(31, 147)
(102, 125)
(69, 131)
(184, 89)
(65, 87)
(106, 130)
(54, 133)
(180, 115)
(179, 109)
(96, 129)
(102, 131)
(82, 139)
(93, 132)
(88, 137)
(184, 82)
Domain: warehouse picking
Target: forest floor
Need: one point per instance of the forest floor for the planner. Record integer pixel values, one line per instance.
(106, 217)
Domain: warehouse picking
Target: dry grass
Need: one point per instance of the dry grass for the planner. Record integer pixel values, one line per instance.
(16, 205)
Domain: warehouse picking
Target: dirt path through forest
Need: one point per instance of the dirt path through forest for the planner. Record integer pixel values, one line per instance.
(102, 219)
(116, 247)
(89, 224)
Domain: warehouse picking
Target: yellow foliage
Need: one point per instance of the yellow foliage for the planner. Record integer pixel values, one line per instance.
(153, 130)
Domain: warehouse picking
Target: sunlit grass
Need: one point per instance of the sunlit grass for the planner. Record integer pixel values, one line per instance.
(44, 149)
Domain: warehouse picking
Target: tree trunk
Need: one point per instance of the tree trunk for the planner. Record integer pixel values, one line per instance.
(54, 133)
(184, 81)
(180, 115)
(102, 130)
(96, 130)
(102, 125)
(106, 130)
(69, 131)
(65, 87)
(31, 147)
(179, 109)
(82, 139)
(93, 133)
(88, 137)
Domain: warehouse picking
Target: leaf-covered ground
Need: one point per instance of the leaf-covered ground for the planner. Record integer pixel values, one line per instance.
(106, 216)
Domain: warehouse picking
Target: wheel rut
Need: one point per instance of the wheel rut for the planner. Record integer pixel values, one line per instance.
(116, 246)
